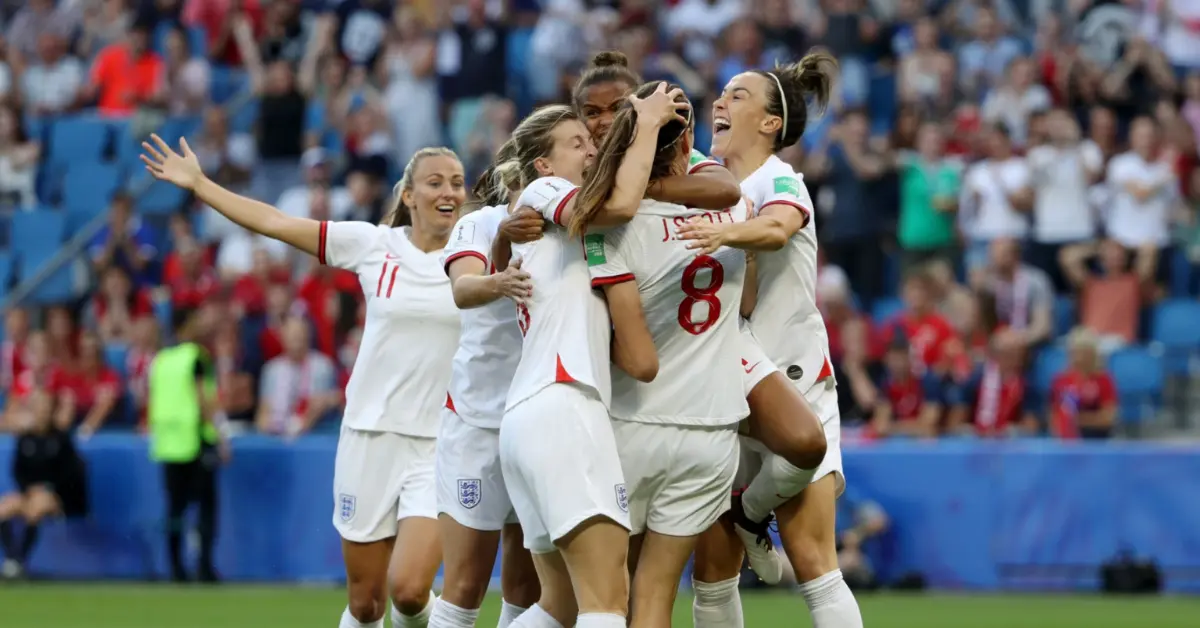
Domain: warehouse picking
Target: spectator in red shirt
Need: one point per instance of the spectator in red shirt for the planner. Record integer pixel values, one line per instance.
(281, 304)
(62, 334)
(250, 290)
(1083, 398)
(117, 305)
(37, 369)
(911, 403)
(852, 347)
(16, 333)
(217, 18)
(90, 388)
(928, 333)
(142, 349)
(317, 289)
(995, 401)
(196, 281)
(127, 75)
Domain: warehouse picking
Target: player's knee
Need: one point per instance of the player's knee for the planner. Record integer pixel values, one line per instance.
(804, 446)
(467, 589)
(409, 596)
(367, 607)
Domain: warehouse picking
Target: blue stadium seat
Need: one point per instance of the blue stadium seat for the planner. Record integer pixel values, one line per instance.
(1175, 324)
(227, 83)
(1049, 362)
(517, 52)
(1139, 375)
(78, 138)
(1180, 272)
(161, 198)
(243, 119)
(884, 309)
(175, 128)
(1065, 315)
(36, 232)
(6, 268)
(59, 287)
(90, 186)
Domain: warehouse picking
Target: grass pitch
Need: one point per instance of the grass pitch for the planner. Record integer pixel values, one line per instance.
(234, 606)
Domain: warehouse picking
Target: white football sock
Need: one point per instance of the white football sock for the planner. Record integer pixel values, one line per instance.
(348, 621)
(447, 615)
(831, 602)
(509, 614)
(420, 620)
(535, 617)
(776, 483)
(600, 620)
(717, 604)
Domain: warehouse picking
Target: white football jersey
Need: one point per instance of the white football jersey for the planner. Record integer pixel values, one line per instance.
(786, 320)
(403, 366)
(565, 323)
(490, 345)
(691, 306)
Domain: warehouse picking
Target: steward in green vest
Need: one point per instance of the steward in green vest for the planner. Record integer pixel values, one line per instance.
(184, 439)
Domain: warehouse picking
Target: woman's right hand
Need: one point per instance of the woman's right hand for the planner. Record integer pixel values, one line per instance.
(165, 164)
(513, 282)
(661, 107)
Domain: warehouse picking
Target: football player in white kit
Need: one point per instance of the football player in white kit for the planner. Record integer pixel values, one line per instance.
(473, 505)
(679, 449)
(556, 443)
(385, 503)
(758, 114)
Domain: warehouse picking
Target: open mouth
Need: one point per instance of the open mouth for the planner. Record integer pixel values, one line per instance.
(720, 125)
(447, 209)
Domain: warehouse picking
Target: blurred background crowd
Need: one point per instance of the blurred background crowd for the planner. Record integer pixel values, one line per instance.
(1006, 190)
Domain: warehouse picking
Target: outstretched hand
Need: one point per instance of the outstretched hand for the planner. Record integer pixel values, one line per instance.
(661, 107)
(181, 169)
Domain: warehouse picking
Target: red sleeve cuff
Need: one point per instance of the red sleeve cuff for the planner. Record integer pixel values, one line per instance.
(701, 166)
(803, 210)
(322, 237)
(599, 282)
(563, 205)
(462, 254)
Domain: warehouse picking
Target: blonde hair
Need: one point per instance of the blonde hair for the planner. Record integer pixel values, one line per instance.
(1083, 338)
(400, 214)
(530, 140)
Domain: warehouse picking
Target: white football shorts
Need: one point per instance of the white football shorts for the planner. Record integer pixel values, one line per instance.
(470, 484)
(755, 362)
(380, 478)
(822, 397)
(679, 476)
(561, 465)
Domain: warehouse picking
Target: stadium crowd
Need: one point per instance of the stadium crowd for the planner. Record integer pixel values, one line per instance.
(993, 175)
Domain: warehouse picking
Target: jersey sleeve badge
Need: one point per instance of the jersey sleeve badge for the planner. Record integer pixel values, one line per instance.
(593, 247)
(787, 185)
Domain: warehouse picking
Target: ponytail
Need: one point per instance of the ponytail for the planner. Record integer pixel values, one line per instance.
(793, 88)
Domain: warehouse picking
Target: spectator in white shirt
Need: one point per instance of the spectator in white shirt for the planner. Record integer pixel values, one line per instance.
(51, 86)
(188, 75)
(298, 388)
(1064, 225)
(694, 24)
(1016, 100)
(995, 197)
(1144, 188)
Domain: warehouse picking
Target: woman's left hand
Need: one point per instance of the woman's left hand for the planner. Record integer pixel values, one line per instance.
(704, 236)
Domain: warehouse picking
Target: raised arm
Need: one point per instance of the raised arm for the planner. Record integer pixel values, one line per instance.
(184, 171)
(707, 185)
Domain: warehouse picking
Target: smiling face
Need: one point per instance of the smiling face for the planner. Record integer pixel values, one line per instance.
(740, 118)
(438, 190)
(571, 152)
(599, 106)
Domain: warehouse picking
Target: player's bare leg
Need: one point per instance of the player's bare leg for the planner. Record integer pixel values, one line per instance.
(807, 531)
(595, 553)
(656, 572)
(414, 564)
(518, 576)
(366, 583)
(556, 607)
(469, 556)
(783, 421)
(716, 573)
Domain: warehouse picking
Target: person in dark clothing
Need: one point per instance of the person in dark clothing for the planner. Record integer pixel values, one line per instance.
(50, 479)
(184, 438)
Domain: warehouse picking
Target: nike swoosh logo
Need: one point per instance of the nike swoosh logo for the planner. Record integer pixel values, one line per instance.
(750, 367)
(389, 256)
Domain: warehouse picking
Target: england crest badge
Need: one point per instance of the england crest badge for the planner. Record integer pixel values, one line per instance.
(469, 493)
(346, 506)
(622, 498)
